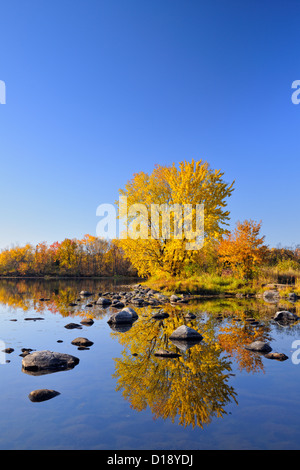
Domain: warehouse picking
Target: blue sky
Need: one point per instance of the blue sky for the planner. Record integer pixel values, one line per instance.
(98, 90)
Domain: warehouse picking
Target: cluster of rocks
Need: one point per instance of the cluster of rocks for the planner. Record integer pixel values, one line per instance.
(139, 296)
(265, 349)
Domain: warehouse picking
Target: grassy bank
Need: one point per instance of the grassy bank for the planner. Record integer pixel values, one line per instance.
(213, 284)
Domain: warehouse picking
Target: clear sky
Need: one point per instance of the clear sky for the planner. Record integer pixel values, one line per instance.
(97, 90)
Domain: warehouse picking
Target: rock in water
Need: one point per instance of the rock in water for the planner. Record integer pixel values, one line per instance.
(131, 312)
(259, 346)
(42, 395)
(48, 361)
(276, 356)
(71, 326)
(186, 333)
(82, 342)
(127, 315)
(103, 301)
(285, 316)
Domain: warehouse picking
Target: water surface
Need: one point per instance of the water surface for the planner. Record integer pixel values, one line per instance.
(215, 395)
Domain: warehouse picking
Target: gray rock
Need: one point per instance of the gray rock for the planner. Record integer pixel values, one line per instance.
(285, 316)
(186, 333)
(42, 395)
(259, 346)
(85, 293)
(131, 311)
(174, 298)
(48, 361)
(103, 301)
(124, 316)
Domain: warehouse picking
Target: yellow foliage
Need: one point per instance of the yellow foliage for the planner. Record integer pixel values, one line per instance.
(191, 183)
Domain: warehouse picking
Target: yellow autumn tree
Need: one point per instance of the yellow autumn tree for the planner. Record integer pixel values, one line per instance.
(170, 213)
(243, 250)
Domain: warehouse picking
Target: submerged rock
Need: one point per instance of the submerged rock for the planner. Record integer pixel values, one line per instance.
(42, 395)
(48, 361)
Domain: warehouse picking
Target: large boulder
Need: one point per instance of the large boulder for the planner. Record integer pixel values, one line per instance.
(186, 333)
(48, 361)
(126, 315)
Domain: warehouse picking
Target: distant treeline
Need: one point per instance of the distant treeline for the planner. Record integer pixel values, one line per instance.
(89, 256)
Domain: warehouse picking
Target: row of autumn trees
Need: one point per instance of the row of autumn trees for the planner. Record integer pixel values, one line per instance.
(146, 250)
(89, 256)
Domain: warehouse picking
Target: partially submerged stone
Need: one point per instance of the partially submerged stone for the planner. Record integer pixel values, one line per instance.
(85, 293)
(285, 316)
(276, 356)
(186, 333)
(259, 346)
(103, 301)
(87, 322)
(42, 395)
(131, 311)
(72, 326)
(48, 361)
(127, 315)
(82, 342)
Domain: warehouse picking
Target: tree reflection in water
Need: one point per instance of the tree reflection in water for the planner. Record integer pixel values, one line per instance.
(192, 388)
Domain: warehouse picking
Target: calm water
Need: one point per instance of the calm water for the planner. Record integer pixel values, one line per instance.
(216, 395)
